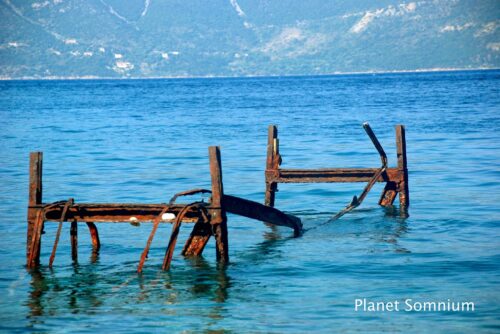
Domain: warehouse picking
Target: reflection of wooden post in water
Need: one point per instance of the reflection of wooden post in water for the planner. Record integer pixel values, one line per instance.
(396, 178)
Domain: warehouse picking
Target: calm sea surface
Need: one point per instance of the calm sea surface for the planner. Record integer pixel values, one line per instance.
(143, 141)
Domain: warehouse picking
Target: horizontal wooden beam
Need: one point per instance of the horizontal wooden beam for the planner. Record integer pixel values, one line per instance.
(122, 212)
(330, 175)
(115, 212)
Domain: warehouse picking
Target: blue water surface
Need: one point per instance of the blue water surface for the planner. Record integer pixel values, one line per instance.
(144, 140)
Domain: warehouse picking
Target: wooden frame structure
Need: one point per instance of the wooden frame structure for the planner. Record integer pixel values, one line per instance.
(209, 218)
(396, 178)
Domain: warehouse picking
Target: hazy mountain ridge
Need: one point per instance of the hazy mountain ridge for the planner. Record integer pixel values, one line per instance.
(153, 38)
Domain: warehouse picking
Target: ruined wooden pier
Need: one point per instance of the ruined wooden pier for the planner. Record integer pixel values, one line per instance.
(396, 178)
(209, 218)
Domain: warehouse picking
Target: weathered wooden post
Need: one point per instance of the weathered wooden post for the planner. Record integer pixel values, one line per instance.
(34, 199)
(400, 183)
(272, 164)
(74, 240)
(403, 189)
(217, 212)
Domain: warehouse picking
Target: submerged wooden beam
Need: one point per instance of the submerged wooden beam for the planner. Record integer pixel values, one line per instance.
(388, 194)
(197, 240)
(254, 210)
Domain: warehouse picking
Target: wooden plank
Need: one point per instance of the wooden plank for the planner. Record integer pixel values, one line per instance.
(217, 212)
(197, 239)
(388, 194)
(116, 212)
(334, 175)
(34, 198)
(261, 212)
(404, 192)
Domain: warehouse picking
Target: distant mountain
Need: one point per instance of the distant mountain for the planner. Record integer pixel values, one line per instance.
(179, 38)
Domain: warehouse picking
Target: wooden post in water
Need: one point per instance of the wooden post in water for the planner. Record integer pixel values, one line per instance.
(217, 212)
(403, 189)
(74, 240)
(35, 198)
(272, 164)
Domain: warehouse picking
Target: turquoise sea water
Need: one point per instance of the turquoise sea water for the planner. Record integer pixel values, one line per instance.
(144, 140)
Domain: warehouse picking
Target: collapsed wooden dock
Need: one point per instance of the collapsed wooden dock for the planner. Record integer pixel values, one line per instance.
(209, 218)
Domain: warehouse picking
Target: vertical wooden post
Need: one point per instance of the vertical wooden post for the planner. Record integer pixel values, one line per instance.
(218, 217)
(272, 164)
(74, 240)
(35, 198)
(403, 189)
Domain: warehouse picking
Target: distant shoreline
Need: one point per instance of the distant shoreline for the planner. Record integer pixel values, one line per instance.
(84, 78)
